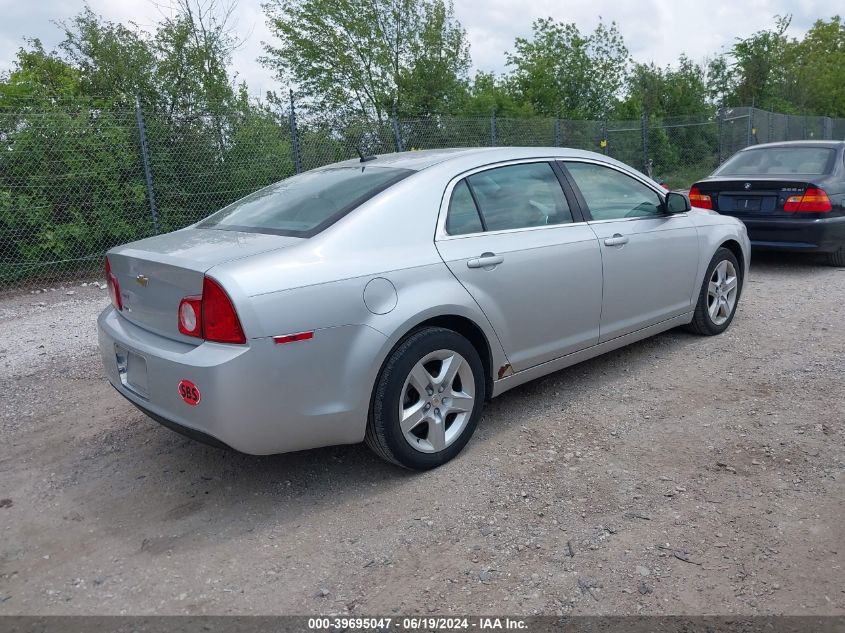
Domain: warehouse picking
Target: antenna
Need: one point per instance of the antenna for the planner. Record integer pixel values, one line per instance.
(364, 158)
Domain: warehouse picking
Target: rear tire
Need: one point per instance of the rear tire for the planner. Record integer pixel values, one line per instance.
(837, 258)
(719, 295)
(427, 400)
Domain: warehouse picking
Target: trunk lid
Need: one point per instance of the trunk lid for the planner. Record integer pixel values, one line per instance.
(156, 273)
(752, 196)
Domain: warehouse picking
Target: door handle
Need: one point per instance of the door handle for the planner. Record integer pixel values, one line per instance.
(617, 240)
(485, 260)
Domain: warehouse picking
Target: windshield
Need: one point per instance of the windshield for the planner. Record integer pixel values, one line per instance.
(304, 205)
(780, 161)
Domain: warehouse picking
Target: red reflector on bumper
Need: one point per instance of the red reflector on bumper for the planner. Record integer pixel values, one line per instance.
(293, 338)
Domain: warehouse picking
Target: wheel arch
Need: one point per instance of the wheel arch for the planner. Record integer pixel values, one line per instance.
(734, 247)
(473, 333)
(463, 325)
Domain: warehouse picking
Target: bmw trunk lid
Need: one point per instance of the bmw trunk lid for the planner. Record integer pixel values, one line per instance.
(751, 196)
(156, 273)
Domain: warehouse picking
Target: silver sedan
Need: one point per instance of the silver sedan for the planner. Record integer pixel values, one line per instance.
(387, 299)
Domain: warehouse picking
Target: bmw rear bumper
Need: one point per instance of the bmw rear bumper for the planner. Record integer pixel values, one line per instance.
(259, 398)
(819, 235)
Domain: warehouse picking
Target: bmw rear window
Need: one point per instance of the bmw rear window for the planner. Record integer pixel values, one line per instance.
(304, 205)
(780, 161)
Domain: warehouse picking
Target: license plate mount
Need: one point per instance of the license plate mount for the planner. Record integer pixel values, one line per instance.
(132, 369)
(746, 205)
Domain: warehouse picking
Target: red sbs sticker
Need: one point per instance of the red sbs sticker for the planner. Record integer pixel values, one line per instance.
(189, 392)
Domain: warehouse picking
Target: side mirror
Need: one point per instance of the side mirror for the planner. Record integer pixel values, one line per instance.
(677, 203)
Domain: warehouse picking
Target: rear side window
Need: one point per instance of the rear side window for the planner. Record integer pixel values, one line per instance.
(463, 215)
(305, 204)
(780, 161)
(520, 196)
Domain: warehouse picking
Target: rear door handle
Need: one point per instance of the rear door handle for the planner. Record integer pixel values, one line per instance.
(485, 260)
(617, 240)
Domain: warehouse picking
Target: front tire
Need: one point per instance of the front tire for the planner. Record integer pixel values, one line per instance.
(719, 295)
(427, 400)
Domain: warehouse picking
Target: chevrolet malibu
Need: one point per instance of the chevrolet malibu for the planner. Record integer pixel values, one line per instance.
(385, 300)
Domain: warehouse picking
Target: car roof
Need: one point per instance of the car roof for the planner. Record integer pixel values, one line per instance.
(418, 160)
(807, 143)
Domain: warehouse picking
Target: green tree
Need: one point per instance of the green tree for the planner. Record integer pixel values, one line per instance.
(672, 91)
(817, 69)
(561, 71)
(366, 57)
(488, 92)
(756, 69)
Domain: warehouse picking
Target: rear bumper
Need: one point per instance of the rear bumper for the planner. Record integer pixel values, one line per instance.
(819, 235)
(259, 398)
(198, 436)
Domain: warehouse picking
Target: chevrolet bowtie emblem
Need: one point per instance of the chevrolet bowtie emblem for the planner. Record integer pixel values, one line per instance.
(142, 281)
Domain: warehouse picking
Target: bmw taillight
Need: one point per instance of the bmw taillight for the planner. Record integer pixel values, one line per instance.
(211, 316)
(813, 200)
(700, 200)
(113, 286)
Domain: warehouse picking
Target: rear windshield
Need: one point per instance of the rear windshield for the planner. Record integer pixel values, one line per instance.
(780, 161)
(304, 205)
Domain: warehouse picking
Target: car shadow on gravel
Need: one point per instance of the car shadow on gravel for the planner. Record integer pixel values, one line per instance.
(787, 262)
(199, 492)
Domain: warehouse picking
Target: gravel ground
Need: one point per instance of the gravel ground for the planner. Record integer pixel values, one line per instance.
(680, 475)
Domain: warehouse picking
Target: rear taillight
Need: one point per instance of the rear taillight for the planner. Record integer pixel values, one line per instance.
(190, 316)
(700, 200)
(211, 316)
(814, 200)
(219, 320)
(114, 287)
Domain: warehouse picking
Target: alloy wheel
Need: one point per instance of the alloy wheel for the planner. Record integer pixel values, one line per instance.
(722, 292)
(436, 401)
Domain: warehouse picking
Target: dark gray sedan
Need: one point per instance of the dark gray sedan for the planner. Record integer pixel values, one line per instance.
(790, 195)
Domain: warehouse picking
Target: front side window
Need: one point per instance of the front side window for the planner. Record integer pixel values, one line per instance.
(304, 205)
(519, 196)
(612, 195)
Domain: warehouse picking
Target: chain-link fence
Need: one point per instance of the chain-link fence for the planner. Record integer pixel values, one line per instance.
(78, 177)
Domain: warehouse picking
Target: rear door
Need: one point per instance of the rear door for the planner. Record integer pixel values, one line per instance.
(515, 241)
(650, 258)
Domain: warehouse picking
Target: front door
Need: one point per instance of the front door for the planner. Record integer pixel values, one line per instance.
(650, 257)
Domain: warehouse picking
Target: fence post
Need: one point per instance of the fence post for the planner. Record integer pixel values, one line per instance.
(604, 140)
(294, 137)
(493, 127)
(557, 131)
(397, 135)
(771, 121)
(720, 122)
(145, 157)
(827, 128)
(644, 129)
(750, 127)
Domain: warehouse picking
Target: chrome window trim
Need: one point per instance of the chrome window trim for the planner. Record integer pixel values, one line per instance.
(650, 184)
(441, 234)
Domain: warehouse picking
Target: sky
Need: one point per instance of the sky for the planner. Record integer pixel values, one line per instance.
(654, 30)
